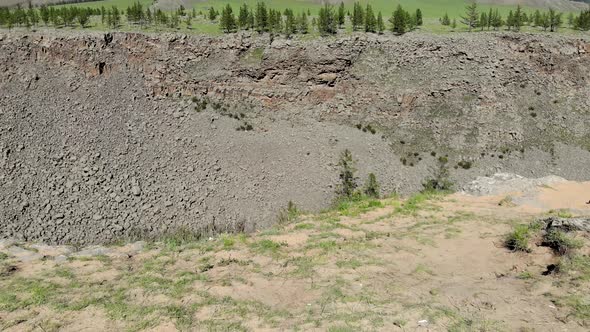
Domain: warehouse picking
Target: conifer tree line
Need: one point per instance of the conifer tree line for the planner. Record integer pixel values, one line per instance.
(329, 19)
(262, 19)
(491, 19)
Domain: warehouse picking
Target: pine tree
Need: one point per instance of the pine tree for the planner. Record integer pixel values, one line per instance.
(228, 20)
(327, 20)
(212, 14)
(33, 16)
(174, 20)
(570, 19)
(251, 20)
(510, 20)
(357, 17)
(83, 18)
(582, 21)
(370, 21)
(471, 15)
(445, 20)
(380, 23)
(545, 23)
(399, 20)
(537, 18)
(454, 24)
(302, 24)
(261, 17)
(44, 13)
(341, 14)
(148, 16)
(497, 21)
(419, 20)
(275, 21)
(371, 188)
(243, 17)
(290, 22)
(554, 20)
(188, 22)
(103, 12)
(483, 21)
(517, 19)
(116, 17)
(348, 180)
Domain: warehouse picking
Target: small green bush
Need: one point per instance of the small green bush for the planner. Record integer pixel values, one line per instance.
(289, 214)
(440, 180)
(518, 239)
(348, 180)
(372, 186)
(561, 242)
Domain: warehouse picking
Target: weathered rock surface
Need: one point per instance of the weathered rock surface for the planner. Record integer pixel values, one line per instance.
(567, 224)
(101, 141)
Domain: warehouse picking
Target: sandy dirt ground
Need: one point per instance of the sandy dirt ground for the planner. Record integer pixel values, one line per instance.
(427, 263)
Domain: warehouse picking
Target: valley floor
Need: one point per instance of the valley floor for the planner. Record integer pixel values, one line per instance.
(431, 262)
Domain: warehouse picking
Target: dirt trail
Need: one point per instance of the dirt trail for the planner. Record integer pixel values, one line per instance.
(431, 263)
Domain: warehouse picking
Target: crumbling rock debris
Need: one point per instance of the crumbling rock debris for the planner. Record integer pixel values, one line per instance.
(567, 224)
(107, 144)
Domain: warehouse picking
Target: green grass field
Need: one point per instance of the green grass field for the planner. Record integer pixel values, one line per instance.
(432, 10)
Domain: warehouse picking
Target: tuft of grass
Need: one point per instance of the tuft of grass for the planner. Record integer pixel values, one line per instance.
(178, 239)
(561, 242)
(23, 292)
(561, 213)
(417, 202)
(575, 266)
(357, 205)
(507, 202)
(349, 264)
(303, 226)
(182, 316)
(267, 246)
(304, 266)
(579, 305)
(288, 214)
(518, 239)
(525, 275)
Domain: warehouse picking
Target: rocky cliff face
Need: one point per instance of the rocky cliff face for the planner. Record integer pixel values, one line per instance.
(108, 136)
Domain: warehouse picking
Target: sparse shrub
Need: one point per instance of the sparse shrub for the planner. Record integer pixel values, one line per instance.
(518, 239)
(372, 186)
(176, 239)
(348, 180)
(369, 129)
(245, 127)
(561, 242)
(200, 104)
(465, 164)
(533, 114)
(288, 214)
(440, 179)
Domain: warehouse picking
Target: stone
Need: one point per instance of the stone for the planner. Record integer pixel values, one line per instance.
(567, 224)
(136, 190)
